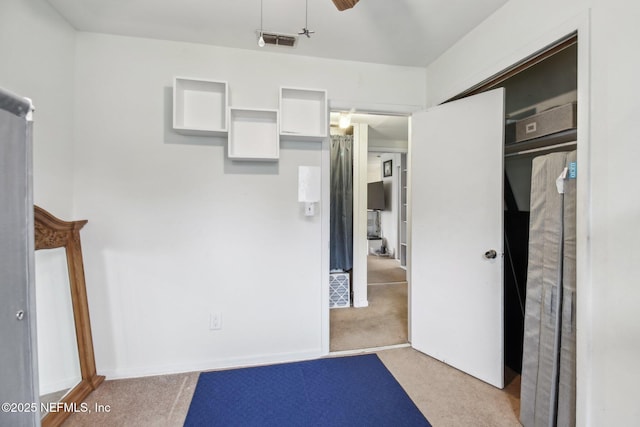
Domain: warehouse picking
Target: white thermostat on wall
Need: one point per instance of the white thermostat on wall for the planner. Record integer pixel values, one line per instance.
(309, 188)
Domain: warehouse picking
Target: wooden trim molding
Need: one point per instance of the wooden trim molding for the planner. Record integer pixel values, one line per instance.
(51, 233)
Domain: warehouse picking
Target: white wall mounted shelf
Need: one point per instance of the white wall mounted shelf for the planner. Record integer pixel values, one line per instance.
(404, 204)
(303, 114)
(200, 106)
(253, 134)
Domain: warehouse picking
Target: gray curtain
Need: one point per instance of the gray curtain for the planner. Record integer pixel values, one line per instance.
(341, 202)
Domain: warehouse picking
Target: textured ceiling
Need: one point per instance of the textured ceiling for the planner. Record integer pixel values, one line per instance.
(397, 32)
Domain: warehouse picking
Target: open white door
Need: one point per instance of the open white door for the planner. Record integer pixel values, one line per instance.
(456, 235)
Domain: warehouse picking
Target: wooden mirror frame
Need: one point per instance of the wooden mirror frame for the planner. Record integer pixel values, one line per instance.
(51, 233)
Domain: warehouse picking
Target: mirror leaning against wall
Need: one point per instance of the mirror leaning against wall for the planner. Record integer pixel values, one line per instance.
(58, 358)
(66, 362)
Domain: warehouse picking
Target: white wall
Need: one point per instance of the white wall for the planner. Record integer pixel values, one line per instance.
(37, 49)
(608, 320)
(177, 231)
(374, 167)
(380, 144)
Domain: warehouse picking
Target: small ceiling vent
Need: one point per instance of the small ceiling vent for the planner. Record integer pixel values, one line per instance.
(279, 39)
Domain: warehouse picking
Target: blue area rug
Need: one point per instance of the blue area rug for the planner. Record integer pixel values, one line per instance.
(343, 391)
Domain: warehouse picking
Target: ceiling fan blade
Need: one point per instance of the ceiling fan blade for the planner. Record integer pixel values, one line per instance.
(345, 4)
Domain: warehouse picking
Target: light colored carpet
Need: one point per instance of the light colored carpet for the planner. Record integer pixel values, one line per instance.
(446, 396)
(384, 270)
(141, 402)
(383, 322)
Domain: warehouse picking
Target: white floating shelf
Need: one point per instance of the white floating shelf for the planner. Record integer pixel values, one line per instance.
(253, 134)
(303, 114)
(200, 106)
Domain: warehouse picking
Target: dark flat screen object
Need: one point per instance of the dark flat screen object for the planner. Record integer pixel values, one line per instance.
(375, 196)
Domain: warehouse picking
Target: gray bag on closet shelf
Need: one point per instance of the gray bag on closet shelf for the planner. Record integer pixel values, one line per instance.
(544, 275)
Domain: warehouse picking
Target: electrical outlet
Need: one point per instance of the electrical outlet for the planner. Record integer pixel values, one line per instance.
(215, 321)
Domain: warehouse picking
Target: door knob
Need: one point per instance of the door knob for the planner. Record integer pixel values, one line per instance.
(490, 254)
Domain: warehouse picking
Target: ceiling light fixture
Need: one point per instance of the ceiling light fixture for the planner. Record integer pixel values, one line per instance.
(344, 121)
(261, 39)
(306, 31)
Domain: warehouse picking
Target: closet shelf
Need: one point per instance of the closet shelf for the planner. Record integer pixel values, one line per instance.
(542, 142)
(200, 106)
(253, 134)
(303, 114)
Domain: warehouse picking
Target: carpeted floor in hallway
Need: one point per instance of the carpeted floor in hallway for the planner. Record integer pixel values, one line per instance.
(384, 270)
(383, 322)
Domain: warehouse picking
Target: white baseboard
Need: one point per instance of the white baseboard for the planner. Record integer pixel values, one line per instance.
(361, 303)
(368, 350)
(209, 365)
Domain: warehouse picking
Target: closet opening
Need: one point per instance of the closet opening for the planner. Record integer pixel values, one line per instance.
(544, 94)
(541, 120)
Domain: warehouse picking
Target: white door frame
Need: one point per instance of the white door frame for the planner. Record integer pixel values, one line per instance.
(360, 242)
(359, 191)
